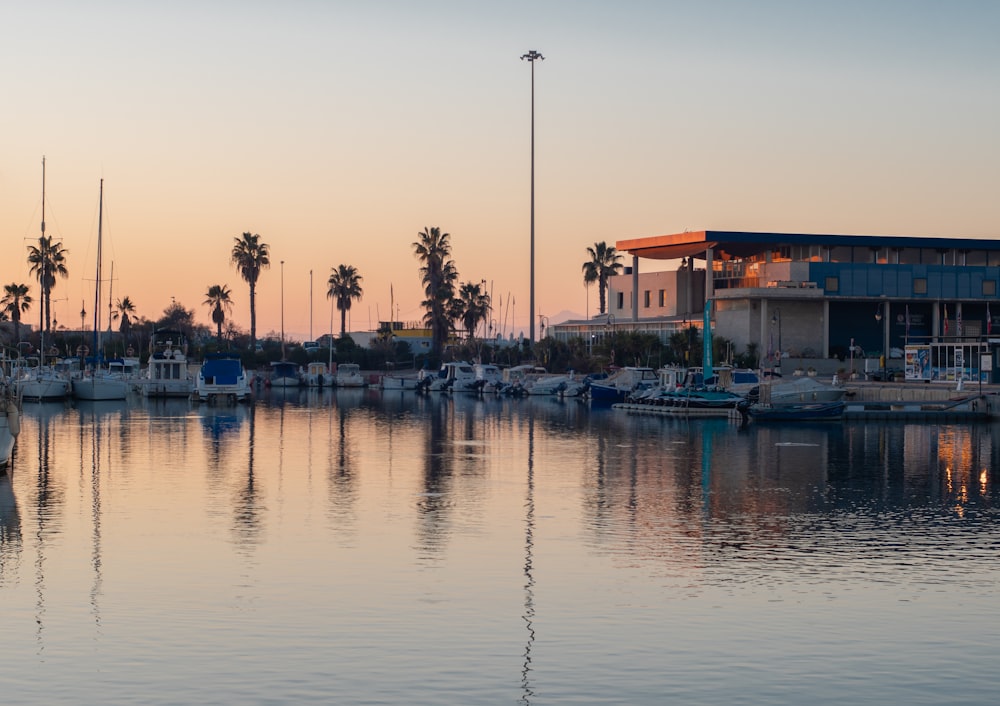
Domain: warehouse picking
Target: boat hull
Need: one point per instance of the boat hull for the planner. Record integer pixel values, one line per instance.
(100, 389)
(798, 412)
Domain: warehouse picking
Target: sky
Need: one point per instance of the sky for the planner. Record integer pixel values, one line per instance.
(338, 131)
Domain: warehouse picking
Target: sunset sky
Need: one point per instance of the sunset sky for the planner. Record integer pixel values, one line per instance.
(339, 130)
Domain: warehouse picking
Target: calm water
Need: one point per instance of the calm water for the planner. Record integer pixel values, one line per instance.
(359, 549)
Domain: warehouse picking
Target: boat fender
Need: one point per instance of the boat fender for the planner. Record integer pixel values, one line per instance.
(13, 418)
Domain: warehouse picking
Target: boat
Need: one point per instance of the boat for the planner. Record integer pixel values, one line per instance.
(796, 389)
(221, 379)
(166, 373)
(797, 411)
(38, 381)
(454, 376)
(318, 375)
(42, 383)
(10, 420)
(349, 375)
(617, 387)
(396, 381)
(98, 382)
(284, 374)
(489, 377)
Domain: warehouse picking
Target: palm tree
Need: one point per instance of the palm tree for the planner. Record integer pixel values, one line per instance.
(48, 260)
(15, 301)
(345, 286)
(472, 306)
(251, 256)
(219, 300)
(124, 307)
(604, 262)
(438, 274)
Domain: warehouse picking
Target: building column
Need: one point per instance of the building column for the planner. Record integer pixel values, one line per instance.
(709, 280)
(826, 328)
(635, 287)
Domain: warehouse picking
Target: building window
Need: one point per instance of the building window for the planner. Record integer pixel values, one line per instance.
(989, 287)
(832, 284)
(663, 298)
(645, 298)
(920, 285)
(621, 300)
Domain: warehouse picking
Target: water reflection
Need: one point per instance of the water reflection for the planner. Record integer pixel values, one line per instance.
(10, 532)
(326, 519)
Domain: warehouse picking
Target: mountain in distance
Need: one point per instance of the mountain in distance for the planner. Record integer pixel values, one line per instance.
(565, 315)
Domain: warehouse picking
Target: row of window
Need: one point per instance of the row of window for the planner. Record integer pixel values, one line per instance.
(832, 285)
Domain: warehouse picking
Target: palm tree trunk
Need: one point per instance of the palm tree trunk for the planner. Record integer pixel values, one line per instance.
(343, 322)
(253, 315)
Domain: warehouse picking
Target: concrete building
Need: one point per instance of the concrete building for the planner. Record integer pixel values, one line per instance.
(817, 296)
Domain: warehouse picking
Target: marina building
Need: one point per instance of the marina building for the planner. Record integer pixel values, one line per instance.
(925, 305)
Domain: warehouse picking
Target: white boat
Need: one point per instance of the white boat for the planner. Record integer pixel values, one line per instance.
(318, 375)
(10, 421)
(284, 374)
(100, 383)
(349, 375)
(166, 373)
(221, 379)
(796, 389)
(39, 381)
(557, 385)
(395, 381)
(489, 377)
(42, 383)
(626, 381)
(452, 377)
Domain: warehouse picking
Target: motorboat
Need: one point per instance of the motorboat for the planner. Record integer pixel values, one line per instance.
(222, 379)
(284, 374)
(349, 375)
(451, 377)
(489, 377)
(318, 375)
(624, 382)
(395, 381)
(796, 389)
(166, 373)
(798, 411)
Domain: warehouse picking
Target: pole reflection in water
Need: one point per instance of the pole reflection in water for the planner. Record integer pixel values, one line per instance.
(529, 578)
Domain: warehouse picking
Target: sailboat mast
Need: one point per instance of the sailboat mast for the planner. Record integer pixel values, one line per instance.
(97, 288)
(45, 277)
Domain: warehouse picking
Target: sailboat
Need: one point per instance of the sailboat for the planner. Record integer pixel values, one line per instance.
(41, 382)
(98, 383)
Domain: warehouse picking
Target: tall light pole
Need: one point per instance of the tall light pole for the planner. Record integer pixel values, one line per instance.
(531, 56)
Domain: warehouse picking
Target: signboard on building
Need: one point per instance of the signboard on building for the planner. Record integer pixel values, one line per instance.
(917, 363)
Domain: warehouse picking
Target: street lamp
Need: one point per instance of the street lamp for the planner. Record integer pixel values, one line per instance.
(776, 319)
(531, 56)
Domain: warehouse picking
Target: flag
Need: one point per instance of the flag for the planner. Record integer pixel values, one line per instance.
(958, 319)
(989, 320)
(945, 319)
(907, 320)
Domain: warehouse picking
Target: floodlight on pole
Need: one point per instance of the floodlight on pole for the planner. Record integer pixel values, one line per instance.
(531, 56)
